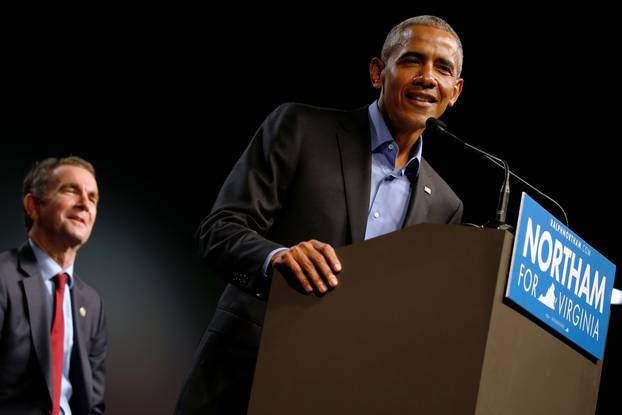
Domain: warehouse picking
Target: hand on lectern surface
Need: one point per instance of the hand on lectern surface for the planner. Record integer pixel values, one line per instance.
(312, 263)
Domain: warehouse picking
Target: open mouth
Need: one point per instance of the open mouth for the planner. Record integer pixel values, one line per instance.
(421, 97)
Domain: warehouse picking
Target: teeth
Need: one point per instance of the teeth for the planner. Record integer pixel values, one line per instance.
(420, 98)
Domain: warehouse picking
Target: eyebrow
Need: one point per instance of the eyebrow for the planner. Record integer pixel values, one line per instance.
(419, 55)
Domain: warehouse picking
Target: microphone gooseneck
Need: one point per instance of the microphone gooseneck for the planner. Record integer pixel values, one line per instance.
(504, 193)
(504, 196)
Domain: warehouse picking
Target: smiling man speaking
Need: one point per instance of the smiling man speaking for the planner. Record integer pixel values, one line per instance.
(314, 179)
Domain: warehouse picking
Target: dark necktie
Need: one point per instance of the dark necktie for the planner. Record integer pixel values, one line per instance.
(57, 338)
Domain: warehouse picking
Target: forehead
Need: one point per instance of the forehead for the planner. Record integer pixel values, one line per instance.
(68, 173)
(429, 40)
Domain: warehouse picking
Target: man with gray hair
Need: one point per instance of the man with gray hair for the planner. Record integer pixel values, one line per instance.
(313, 179)
(52, 324)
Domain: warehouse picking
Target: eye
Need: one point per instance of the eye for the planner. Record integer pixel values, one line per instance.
(445, 69)
(68, 190)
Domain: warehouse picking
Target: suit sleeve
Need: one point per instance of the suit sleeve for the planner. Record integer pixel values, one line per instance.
(97, 357)
(232, 237)
(456, 218)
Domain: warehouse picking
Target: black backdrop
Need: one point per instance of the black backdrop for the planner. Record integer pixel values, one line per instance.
(164, 101)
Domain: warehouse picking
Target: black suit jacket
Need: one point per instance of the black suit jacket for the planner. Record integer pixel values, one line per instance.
(25, 324)
(305, 175)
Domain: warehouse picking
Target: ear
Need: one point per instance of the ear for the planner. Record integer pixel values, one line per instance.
(376, 66)
(31, 206)
(457, 89)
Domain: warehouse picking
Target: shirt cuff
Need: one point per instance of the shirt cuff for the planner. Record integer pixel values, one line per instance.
(266, 263)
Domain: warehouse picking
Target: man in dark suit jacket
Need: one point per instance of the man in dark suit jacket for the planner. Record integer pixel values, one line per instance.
(60, 204)
(326, 178)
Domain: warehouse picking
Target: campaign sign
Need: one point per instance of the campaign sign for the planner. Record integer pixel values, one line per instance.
(560, 279)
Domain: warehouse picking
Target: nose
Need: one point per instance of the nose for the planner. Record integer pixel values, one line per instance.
(424, 77)
(83, 199)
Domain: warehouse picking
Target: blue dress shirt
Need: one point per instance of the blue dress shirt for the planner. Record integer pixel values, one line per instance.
(390, 187)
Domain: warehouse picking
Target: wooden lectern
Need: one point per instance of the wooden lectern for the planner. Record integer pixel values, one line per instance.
(418, 325)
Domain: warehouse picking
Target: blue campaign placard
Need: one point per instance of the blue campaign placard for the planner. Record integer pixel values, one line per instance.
(560, 279)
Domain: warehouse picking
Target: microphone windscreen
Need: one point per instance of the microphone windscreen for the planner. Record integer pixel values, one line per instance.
(435, 124)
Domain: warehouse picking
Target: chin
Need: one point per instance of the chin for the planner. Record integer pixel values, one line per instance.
(77, 238)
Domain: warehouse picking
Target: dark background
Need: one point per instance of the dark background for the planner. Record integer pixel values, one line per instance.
(163, 102)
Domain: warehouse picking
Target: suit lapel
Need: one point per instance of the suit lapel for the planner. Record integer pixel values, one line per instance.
(421, 198)
(38, 311)
(80, 367)
(355, 150)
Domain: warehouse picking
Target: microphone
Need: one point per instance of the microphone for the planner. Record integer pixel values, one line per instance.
(504, 194)
(499, 222)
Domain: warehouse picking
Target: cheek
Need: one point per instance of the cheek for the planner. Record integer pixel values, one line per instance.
(451, 93)
(395, 82)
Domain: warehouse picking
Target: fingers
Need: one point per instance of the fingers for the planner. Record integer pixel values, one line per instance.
(287, 261)
(329, 255)
(325, 259)
(313, 263)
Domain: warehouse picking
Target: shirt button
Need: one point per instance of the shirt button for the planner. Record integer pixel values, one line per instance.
(376, 215)
(390, 146)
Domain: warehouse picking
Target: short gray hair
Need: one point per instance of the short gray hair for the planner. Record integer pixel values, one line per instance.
(394, 37)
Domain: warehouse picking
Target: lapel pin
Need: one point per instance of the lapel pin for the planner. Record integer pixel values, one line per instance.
(427, 190)
(83, 311)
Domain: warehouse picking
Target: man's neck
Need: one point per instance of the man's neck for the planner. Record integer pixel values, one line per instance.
(62, 255)
(405, 143)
